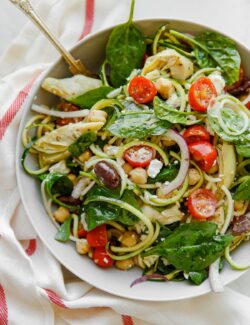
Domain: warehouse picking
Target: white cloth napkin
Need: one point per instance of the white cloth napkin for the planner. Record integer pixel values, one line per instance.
(34, 287)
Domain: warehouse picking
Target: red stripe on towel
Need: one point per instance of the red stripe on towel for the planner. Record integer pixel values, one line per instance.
(127, 320)
(55, 299)
(14, 108)
(89, 18)
(3, 308)
(30, 250)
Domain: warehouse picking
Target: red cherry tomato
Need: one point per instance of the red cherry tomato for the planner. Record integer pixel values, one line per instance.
(142, 90)
(82, 233)
(196, 133)
(202, 203)
(139, 156)
(203, 153)
(200, 94)
(97, 237)
(248, 105)
(101, 257)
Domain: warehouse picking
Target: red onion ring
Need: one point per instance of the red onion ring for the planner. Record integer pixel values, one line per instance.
(47, 111)
(185, 158)
(144, 278)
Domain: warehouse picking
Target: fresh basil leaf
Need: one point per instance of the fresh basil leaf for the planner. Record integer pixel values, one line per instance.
(166, 112)
(243, 150)
(198, 277)
(218, 50)
(57, 183)
(197, 257)
(125, 50)
(91, 97)
(82, 143)
(138, 125)
(63, 232)
(243, 191)
(167, 174)
(126, 217)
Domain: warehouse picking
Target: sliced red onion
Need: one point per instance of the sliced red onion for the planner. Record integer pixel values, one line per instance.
(214, 277)
(144, 278)
(47, 111)
(175, 136)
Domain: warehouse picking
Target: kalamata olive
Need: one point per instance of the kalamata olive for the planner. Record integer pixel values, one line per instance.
(107, 174)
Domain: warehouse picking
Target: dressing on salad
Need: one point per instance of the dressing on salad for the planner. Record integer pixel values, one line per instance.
(149, 166)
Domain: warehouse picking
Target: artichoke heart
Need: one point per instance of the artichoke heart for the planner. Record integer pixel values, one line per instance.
(70, 88)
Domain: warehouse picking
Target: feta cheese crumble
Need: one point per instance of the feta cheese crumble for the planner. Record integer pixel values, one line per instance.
(154, 168)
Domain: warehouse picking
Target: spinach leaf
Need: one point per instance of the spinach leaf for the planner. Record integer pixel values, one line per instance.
(91, 97)
(198, 277)
(244, 138)
(131, 106)
(126, 217)
(138, 125)
(63, 232)
(57, 183)
(73, 165)
(243, 191)
(166, 112)
(82, 143)
(167, 174)
(192, 247)
(103, 191)
(243, 150)
(218, 50)
(125, 50)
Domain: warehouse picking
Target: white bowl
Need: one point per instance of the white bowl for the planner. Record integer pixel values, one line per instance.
(91, 51)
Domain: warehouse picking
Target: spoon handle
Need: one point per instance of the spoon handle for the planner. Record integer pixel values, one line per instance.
(75, 66)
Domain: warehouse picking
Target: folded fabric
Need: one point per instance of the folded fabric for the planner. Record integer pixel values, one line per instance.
(34, 287)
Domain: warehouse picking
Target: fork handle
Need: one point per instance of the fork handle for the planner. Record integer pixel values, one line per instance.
(75, 66)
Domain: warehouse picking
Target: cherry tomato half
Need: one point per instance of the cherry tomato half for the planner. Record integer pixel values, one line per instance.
(203, 153)
(101, 257)
(200, 94)
(97, 237)
(202, 203)
(82, 233)
(196, 133)
(142, 90)
(139, 156)
(248, 105)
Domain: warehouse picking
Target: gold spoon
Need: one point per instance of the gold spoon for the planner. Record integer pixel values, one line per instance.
(75, 66)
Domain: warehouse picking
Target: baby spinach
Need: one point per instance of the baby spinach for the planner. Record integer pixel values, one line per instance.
(82, 143)
(243, 150)
(198, 277)
(243, 191)
(126, 217)
(125, 50)
(166, 112)
(91, 97)
(57, 183)
(167, 174)
(63, 232)
(217, 50)
(192, 247)
(138, 125)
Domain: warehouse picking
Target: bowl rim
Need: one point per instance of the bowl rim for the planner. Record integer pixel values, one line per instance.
(36, 87)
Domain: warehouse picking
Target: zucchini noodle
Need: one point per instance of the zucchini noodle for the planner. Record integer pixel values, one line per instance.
(25, 137)
(157, 38)
(233, 264)
(230, 207)
(201, 72)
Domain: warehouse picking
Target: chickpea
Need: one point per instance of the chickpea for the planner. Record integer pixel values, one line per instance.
(82, 246)
(125, 264)
(129, 239)
(168, 143)
(127, 168)
(164, 87)
(97, 116)
(85, 156)
(61, 214)
(72, 178)
(238, 205)
(193, 176)
(139, 176)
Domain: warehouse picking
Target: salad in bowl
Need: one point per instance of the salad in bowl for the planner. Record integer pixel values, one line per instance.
(148, 165)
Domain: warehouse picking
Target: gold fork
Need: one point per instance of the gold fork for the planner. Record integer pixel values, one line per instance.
(75, 65)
